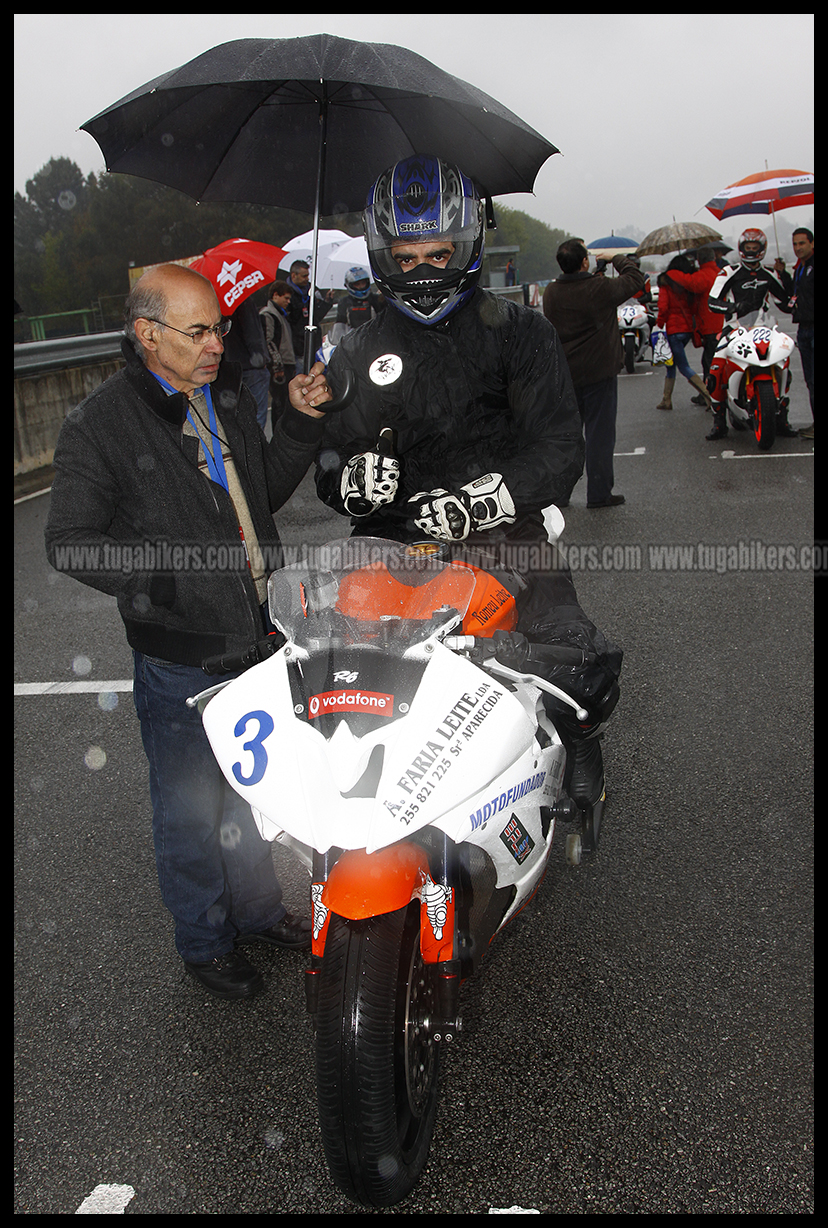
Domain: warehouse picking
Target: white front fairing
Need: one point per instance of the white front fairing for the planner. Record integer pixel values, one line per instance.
(440, 762)
(365, 727)
(631, 316)
(761, 346)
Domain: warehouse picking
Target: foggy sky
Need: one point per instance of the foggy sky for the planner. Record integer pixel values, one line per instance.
(654, 114)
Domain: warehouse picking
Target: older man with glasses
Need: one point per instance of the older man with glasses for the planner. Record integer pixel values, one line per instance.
(163, 497)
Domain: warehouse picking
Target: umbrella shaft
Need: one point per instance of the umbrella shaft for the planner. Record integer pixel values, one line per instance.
(310, 334)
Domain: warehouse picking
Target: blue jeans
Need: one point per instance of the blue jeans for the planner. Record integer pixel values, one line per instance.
(677, 342)
(258, 381)
(215, 871)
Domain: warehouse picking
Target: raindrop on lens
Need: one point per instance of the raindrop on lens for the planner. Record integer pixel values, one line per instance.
(94, 758)
(108, 701)
(167, 139)
(67, 200)
(230, 835)
(82, 665)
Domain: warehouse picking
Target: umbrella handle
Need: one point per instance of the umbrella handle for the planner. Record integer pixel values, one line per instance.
(345, 397)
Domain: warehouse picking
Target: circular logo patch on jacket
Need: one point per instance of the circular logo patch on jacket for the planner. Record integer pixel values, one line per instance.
(385, 369)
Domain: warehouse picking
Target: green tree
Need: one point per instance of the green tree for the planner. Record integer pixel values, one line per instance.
(75, 239)
(538, 243)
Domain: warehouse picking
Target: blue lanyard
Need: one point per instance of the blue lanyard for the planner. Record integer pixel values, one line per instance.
(215, 462)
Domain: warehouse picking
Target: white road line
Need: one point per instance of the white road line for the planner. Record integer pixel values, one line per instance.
(760, 455)
(106, 1200)
(71, 688)
(637, 452)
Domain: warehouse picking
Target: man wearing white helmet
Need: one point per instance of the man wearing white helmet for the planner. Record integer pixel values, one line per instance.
(742, 291)
(477, 393)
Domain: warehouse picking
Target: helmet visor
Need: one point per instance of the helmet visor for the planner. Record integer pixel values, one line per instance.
(419, 202)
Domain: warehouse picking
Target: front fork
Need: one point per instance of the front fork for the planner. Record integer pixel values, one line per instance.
(358, 885)
(779, 376)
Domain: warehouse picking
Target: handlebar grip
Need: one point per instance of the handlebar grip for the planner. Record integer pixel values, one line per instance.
(237, 662)
(515, 650)
(556, 654)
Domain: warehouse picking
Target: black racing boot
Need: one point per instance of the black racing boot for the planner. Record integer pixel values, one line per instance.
(586, 784)
(719, 425)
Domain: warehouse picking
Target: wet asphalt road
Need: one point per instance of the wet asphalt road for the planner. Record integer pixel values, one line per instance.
(640, 1039)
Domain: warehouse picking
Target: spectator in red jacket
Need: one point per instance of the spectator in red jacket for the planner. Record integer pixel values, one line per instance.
(676, 316)
(708, 324)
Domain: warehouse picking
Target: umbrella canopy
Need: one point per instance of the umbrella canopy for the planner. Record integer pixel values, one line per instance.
(765, 192)
(677, 237)
(241, 122)
(237, 268)
(308, 124)
(330, 273)
(612, 245)
(300, 247)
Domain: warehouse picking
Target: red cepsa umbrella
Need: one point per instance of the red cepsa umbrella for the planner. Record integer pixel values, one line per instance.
(237, 268)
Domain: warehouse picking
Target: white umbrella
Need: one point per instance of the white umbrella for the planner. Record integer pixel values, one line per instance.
(300, 247)
(331, 268)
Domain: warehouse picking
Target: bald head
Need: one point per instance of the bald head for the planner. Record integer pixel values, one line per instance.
(166, 303)
(173, 279)
(151, 294)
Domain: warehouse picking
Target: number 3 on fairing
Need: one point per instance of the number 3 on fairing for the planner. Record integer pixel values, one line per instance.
(254, 746)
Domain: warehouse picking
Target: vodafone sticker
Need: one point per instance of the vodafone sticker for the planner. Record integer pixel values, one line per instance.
(376, 703)
(385, 369)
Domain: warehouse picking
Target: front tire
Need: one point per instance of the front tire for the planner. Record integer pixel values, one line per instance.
(765, 415)
(377, 1068)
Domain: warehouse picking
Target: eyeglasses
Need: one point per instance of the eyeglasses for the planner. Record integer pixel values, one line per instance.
(199, 337)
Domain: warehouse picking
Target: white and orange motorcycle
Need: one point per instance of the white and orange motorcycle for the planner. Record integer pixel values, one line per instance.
(419, 779)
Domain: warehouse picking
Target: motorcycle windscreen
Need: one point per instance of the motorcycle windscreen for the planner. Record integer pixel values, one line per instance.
(367, 589)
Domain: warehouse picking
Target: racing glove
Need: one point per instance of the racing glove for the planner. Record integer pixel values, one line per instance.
(368, 481)
(480, 504)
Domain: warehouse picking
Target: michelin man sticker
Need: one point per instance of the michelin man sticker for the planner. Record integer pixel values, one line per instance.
(385, 369)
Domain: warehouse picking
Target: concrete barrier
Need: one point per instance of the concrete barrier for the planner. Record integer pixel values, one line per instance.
(43, 398)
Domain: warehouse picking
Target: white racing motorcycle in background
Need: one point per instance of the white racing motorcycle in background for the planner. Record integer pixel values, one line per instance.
(756, 375)
(419, 779)
(634, 323)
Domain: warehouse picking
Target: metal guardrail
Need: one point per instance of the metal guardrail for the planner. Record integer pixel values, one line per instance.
(36, 357)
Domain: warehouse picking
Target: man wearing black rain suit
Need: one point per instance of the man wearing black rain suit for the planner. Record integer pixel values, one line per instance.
(486, 429)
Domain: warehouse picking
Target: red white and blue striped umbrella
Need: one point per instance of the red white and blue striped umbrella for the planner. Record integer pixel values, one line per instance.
(766, 192)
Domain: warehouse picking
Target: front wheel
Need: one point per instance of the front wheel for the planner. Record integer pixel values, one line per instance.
(629, 353)
(377, 1068)
(765, 414)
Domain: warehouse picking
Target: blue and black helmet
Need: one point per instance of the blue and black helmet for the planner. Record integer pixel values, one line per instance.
(417, 201)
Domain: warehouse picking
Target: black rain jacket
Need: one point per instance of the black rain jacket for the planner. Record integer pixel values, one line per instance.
(487, 390)
(132, 516)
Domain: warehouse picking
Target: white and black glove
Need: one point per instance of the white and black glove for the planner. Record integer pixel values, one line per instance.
(480, 504)
(368, 481)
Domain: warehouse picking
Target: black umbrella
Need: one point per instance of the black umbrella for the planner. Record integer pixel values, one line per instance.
(309, 123)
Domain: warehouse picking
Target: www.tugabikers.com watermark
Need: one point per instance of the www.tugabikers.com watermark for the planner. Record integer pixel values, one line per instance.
(724, 557)
(525, 558)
